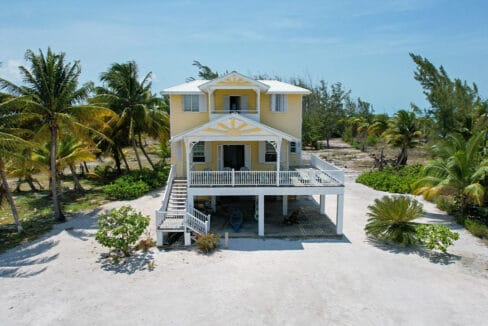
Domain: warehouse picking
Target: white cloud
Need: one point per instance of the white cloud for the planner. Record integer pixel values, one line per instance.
(10, 70)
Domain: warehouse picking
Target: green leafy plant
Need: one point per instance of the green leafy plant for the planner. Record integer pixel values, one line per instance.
(476, 228)
(436, 236)
(390, 220)
(207, 243)
(120, 228)
(392, 180)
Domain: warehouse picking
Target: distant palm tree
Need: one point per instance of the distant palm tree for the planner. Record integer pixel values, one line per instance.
(403, 132)
(51, 92)
(132, 100)
(459, 170)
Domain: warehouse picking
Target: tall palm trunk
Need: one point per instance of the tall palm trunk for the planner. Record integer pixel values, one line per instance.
(402, 157)
(117, 160)
(76, 181)
(58, 215)
(125, 160)
(141, 146)
(10, 199)
(134, 147)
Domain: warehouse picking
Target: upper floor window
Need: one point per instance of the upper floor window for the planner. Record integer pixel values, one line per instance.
(293, 147)
(279, 103)
(270, 153)
(191, 103)
(199, 152)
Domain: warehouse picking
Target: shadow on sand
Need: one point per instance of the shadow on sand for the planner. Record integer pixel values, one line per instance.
(271, 244)
(433, 256)
(139, 261)
(29, 259)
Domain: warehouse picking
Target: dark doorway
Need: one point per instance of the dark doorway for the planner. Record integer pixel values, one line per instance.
(234, 156)
(235, 103)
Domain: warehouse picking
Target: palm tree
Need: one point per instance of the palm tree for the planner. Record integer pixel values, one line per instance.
(403, 132)
(51, 91)
(459, 170)
(130, 98)
(390, 219)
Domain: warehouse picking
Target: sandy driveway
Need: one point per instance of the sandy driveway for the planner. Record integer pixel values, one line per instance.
(58, 280)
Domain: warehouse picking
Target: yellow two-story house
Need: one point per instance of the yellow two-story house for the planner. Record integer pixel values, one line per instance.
(237, 136)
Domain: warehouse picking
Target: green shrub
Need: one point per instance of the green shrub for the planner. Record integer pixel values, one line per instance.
(476, 228)
(436, 236)
(390, 220)
(123, 189)
(446, 203)
(391, 179)
(136, 183)
(120, 228)
(207, 242)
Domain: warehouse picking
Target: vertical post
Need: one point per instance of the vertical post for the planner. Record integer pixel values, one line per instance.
(233, 178)
(322, 204)
(187, 236)
(213, 203)
(159, 238)
(340, 213)
(188, 148)
(285, 205)
(278, 161)
(258, 100)
(261, 216)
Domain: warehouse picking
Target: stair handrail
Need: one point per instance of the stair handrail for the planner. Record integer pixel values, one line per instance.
(167, 193)
(197, 221)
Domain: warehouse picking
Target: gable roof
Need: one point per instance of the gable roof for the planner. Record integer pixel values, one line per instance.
(232, 126)
(268, 86)
(233, 77)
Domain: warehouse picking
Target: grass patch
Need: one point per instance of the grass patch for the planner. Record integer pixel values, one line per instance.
(391, 179)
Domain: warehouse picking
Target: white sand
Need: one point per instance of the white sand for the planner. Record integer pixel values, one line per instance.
(58, 280)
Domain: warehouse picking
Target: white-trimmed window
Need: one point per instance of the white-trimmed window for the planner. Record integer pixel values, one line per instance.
(279, 103)
(191, 103)
(270, 153)
(199, 152)
(293, 147)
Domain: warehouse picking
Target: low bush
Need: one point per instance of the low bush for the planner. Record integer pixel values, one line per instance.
(136, 183)
(207, 242)
(436, 236)
(120, 228)
(476, 228)
(391, 179)
(147, 243)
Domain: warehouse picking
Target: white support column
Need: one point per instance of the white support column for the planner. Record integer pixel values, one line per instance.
(159, 238)
(213, 203)
(278, 161)
(322, 204)
(187, 236)
(261, 216)
(285, 205)
(188, 157)
(189, 201)
(339, 214)
(258, 101)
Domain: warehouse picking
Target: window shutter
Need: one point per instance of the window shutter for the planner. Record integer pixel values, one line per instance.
(202, 103)
(226, 103)
(272, 102)
(208, 152)
(285, 103)
(244, 102)
(247, 156)
(262, 150)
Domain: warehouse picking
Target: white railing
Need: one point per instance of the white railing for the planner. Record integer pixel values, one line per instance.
(240, 111)
(298, 178)
(328, 168)
(197, 221)
(160, 216)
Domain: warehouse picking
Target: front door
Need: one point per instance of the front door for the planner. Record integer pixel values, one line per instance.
(234, 157)
(234, 103)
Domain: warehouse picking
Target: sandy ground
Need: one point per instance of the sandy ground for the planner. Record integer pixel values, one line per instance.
(61, 279)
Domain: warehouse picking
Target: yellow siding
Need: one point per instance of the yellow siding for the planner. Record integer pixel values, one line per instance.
(290, 121)
(181, 121)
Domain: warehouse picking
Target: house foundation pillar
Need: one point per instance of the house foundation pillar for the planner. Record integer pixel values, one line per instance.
(322, 204)
(285, 205)
(261, 215)
(213, 203)
(339, 214)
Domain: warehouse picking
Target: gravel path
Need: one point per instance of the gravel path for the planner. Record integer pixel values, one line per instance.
(61, 279)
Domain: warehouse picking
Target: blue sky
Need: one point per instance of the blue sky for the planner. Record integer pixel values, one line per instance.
(363, 44)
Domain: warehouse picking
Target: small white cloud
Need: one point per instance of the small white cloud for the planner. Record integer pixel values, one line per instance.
(10, 70)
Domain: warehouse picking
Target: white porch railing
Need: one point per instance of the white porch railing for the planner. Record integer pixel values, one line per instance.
(160, 214)
(298, 178)
(248, 110)
(197, 221)
(172, 218)
(328, 168)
